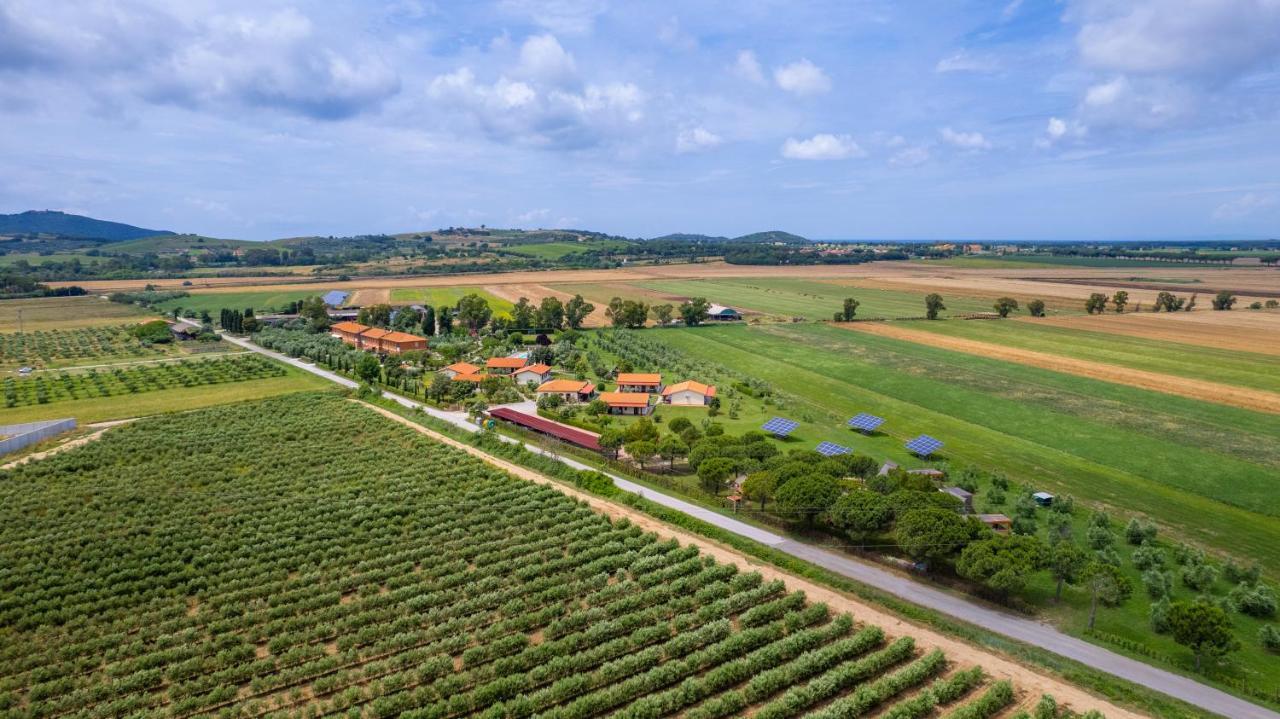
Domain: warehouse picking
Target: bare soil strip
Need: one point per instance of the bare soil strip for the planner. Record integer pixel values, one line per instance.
(965, 655)
(535, 293)
(1257, 400)
(1245, 331)
(364, 298)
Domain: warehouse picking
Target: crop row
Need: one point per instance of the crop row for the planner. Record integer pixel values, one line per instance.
(310, 558)
(43, 346)
(64, 386)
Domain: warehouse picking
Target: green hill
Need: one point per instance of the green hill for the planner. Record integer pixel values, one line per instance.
(52, 222)
(771, 236)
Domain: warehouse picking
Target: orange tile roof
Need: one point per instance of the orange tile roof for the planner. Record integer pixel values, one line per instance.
(638, 378)
(707, 390)
(538, 368)
(354, 328)
(625, 399)
(402, 337)
(504, 363)
(463, 368)
(469, 377)
(374, 333)
(566, 385)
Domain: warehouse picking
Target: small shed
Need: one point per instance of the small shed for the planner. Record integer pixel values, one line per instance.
(1044, 499)
(999, 523)
(722, 313)
(886, 468)
(965, 497)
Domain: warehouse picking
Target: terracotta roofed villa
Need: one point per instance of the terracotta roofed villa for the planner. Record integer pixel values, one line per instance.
(639, 382)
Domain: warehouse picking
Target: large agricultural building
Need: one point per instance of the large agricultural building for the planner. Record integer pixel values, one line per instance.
(376, 339)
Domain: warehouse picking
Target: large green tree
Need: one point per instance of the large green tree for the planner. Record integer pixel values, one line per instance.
(760, 487)
(1120, 300)
(808, 496)
(523, 315)
(474, 312)
(550, 313)
(1066, 562)
(1005, 305)
(861, 513)
(576, 311)
(1106, 584)
(933, 305)
(713, 473)
(694, 311)
(1002, 564)
(1202, 627)
(931, 534)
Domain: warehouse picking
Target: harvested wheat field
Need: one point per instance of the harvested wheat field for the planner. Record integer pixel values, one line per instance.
(1247, 330)
(535, 293)
(1257, 400)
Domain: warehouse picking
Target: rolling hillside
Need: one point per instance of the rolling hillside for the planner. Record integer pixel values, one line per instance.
(53, 222)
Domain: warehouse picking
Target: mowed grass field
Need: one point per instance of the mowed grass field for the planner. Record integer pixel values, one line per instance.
(261, 302)
(50, 313)
(448, 296)
(1205, 470)
(1243, 369)
(811, 299)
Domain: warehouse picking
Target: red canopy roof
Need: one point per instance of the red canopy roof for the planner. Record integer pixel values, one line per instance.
(580, 437)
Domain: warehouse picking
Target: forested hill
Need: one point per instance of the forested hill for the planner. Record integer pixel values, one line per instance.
(52, 222)
(769, 236)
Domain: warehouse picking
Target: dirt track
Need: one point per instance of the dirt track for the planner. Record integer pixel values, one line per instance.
(1246, 331)
(1257, 400)
(1030, 684)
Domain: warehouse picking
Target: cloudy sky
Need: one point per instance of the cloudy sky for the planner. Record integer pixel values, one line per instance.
(1026, 119)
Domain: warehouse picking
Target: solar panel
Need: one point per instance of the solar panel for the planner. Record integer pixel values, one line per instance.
(780, 426)
(924, 445)
(866, 422)
(830, 449)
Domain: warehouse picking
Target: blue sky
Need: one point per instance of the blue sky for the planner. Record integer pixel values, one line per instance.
(1031, 119)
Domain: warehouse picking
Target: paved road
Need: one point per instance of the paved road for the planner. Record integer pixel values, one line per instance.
(1016, 627)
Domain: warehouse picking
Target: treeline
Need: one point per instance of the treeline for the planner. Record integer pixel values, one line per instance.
(759, 254)
(16, 286)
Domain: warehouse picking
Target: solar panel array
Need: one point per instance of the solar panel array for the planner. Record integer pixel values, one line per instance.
(780, 426)
(830, 449)
(866, 422)
(924, 445)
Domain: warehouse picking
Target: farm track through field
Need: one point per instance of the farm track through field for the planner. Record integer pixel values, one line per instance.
(963, 654)
(1257, 400)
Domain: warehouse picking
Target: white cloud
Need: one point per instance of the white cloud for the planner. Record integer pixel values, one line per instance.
(962, 61)
(1208, 39)
(544, 60)
(525, 218)
(1057, 129)
(973, 141)
(823, 146)
(567, 17)
(802, 78)
(1243, 206)
(1106, 93)
(276, 60)
(748, 68)
(696, 139)
(910, 157)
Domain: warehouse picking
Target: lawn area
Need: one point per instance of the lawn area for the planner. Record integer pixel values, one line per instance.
(810, 299)
(98, 409)
(1245, 369)
(212, 302)
(1200, 468)
(50, 313)
(448, 296)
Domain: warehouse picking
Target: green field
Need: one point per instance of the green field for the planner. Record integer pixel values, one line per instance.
(35, 260)
(1200, 468)
(77, 346)
(167, 570)
(174, 399)
(212, 302)
(557, 250)
(810, 299)
(448, 296)
(50, 313)
(1244, 369)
